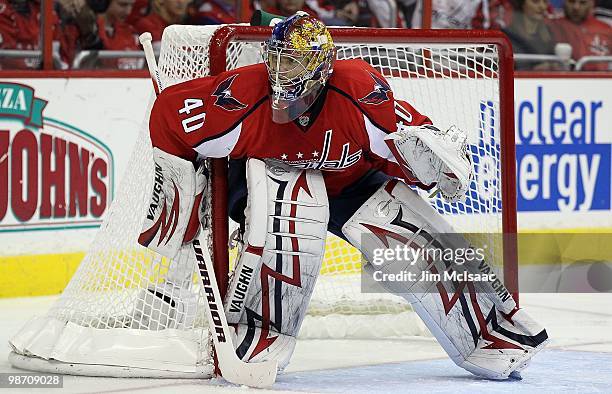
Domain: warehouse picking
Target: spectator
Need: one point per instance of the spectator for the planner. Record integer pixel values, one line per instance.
(449, 14)
(384, 13)
(587, 35)
(20, 29)
(335, 12)
(408, 9)
(290, 7)
(603, 11)
(265, 5)
(212, 12)
(331, 12)
(78, 21)
(140, 9)
(163, 14)
(117, 35)
(493, 14)
(530, 34)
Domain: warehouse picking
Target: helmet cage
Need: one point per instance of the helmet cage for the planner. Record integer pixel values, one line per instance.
(298, 67)
(288, 67)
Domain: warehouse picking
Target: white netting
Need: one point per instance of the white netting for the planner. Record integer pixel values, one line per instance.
(111, 313)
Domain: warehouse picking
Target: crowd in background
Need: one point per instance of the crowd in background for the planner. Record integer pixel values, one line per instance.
(534, 26)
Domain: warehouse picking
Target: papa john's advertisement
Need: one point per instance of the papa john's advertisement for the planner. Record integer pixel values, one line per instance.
(63, 145)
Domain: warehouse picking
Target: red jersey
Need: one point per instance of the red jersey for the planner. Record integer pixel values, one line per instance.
(153, 23)
(589, 38)
(139, 10)
(342, 134)
(211, 12)
(498, 15)
(121, 37)
(19, 31)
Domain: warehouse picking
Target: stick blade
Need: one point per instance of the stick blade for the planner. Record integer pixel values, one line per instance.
(260, 374)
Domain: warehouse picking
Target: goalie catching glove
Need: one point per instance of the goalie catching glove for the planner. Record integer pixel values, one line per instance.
(434, 156)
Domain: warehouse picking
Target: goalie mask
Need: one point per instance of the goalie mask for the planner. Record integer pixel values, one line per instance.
(299, 57)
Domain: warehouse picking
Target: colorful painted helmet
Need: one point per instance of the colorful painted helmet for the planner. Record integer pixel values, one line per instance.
(300, 57)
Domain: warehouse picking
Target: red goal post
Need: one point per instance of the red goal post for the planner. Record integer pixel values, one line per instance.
(218, 50)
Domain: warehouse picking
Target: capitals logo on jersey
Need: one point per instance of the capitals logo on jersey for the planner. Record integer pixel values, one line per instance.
(380, 94)
(223, 93)
(322, 161)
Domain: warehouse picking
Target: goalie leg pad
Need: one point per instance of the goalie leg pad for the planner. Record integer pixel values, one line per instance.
(477, 323)
(286, 226)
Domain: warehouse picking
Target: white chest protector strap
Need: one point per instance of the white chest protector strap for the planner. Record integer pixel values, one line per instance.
(284, 243)
(476, 322)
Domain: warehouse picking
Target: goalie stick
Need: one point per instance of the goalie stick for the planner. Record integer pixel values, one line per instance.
(233, 369)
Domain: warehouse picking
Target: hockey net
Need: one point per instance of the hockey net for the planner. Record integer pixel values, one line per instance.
(118, 318)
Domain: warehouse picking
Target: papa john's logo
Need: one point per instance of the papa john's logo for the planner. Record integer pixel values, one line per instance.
(52, 174)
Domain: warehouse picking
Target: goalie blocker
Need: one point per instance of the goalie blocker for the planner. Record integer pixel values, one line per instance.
(176, 207)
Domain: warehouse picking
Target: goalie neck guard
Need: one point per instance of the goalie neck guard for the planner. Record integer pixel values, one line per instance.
(299, 57)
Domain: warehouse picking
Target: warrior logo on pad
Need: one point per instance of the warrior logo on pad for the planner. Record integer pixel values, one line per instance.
(380, 94)
(225, 100)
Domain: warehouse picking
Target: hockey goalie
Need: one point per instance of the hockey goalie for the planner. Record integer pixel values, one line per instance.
(315, 145)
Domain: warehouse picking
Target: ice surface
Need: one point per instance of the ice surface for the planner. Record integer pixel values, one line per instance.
(579, 358)
(553, 371)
